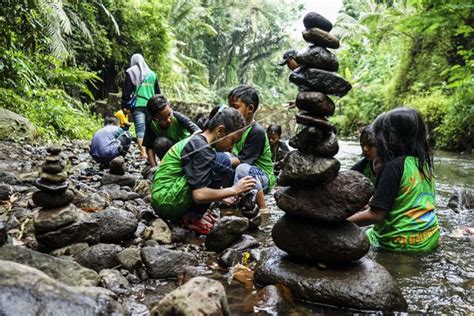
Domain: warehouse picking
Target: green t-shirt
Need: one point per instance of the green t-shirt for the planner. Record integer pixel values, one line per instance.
(145, 90)
(408, 198)
(175, 132)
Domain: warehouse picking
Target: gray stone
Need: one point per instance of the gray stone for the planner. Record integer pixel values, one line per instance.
(54, 150)
(225, 232)
(461, 199)
(124, 180)
(114, 192)
(299, 169)
(6, 191)
(51, 187)
(347, 194)
(158, 231)
(313, 19)
(65, 271)
(317, 57)
(199, 296)
(55, 218)
(115, 281)
(15, 127)
(70, 250)
(93, 202)
(28, 291)
(245, 242)
(315, 103)
(54, 178)
(319, 37)
(117, 166)
(115, 225)
(162, 263)
(10, 178)
(313, 141)
(98, 257)
(362, 285)
(234, 254)
(308, 119)
(53, 167)
(52, 200)
(321, 81)
(313, 241)
(129, 259)
(178, 234)
(3, 232)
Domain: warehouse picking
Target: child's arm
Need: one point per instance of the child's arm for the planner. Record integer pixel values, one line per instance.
(208, 195)
(253, 147)
(367, 217)
(184, 121)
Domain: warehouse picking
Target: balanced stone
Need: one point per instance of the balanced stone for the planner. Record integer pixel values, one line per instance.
(117, 166)
(317, 57)
(314, 241)
(319, 37)
(307, 119)
(316, 103)
(54, 178)
(321, 81)
(51, 187)
(348, 193)
(361, 285)
(299, 169)
(54, 218)
(53, 167)
(53, 158)
(313, 19)
(227, 230)
(53, 150)
(312, 141)
(47, 199)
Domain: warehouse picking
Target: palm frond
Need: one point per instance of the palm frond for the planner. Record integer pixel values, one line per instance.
(111, 17)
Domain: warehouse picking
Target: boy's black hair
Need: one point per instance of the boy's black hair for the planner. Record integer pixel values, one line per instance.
(274, 128)
(227, 116)
(247, 94)
(156, 104)
(205, 122)
(367, 136)
(109, 120)
(402, 132)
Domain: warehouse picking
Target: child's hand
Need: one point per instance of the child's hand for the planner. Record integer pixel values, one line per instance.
(244, 184)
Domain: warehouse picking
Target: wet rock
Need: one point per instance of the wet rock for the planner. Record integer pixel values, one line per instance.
(50, 219)
(117, 166)
(15, 127)
(158, 231)
(299, 169)
(124, 180)
(28, 291)
(114, 281)
(93, 202)
(230, 257)
(54, 178)
(315, 103)
(255, 222)
(3, 232)
(225, 232)
(130, 259)
(313, 141)
(199, 296)
(70, 250)
(51, 187)
(314, 241)
(50, 200)
(362, 285)
(84, 229)
(191, 272)
(313, 19)
(347, 194)
(6, 191)
(53, 167)
(245, 242)
(115, 225)
(114, 192)
(54, 150)
(178, 234)
(317, 57)
(461, 199)
(321, 81)
(163, 263)
(319, 122)
(10, 178)
(65, 271)
(272, 300)
(99, 257)
(319, 37)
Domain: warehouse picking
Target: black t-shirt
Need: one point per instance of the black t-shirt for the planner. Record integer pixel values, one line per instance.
(254, 145)
(361, 165)
(388, 184)
(197, 160)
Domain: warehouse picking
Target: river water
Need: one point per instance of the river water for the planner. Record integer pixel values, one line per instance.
(439, 282)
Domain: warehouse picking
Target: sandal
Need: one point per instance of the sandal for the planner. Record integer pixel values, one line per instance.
(200, 226)
(210, 217)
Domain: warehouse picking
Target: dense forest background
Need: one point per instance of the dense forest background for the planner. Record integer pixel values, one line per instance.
(58, 56)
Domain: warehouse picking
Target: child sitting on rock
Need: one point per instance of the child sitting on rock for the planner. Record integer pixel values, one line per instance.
(253, 156)
(277, 146)
(122, 116)
(402, 207)
(164, 128)
(110, 142)
(190, 175)
(369, 166)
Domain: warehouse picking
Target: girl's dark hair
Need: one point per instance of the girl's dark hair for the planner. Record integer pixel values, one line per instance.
(273, 128)
(402, 132)
(204, 123)
(155, 104)
(247, 94)
(229, 117)
(367, 136)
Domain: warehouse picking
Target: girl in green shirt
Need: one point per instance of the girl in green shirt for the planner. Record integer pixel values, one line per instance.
(403, 204)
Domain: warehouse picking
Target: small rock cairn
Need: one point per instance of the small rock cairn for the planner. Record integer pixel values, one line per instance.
(320, 244)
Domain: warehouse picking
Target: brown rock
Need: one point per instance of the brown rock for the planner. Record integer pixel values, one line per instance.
(55, 218)
(315, 103)
(54, 178)
(312, 79)
(319, 37)
(317, 57)
(312, 141)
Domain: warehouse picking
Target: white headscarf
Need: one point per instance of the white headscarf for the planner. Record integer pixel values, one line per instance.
(138, 70)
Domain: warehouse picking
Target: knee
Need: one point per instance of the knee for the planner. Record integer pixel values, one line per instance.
(161, 145)
(242, 170)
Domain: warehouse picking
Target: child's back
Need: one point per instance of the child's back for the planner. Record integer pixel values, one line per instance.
(104, 146)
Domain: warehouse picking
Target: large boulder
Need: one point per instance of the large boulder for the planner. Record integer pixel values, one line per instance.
(65, 271)
(319, 37)
(321, 81)
(347, 194)
(227, 230)
(317, 57)
(461, 199)
(313, 19)
(362, 285)
(312, 140)
(198, 296)
(313, 241)
(28, 291)
(299, 169)
(115, 225)
(98, 257)
(162, 263)
(315, 103)
(15, 127)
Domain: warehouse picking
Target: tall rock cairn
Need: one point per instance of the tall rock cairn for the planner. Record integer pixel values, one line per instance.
(317, 199)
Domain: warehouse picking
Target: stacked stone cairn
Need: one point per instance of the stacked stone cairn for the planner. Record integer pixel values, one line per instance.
(321, 261)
